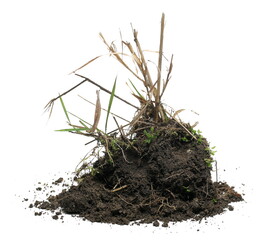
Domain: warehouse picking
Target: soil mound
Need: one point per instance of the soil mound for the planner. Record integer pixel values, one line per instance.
(165, 175)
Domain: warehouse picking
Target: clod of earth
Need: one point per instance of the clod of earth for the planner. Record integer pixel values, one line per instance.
(168, 181)
(156, 169)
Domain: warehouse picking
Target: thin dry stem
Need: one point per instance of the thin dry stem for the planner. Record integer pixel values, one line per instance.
(105, 90)
(104, 109)
(139, 114)
(144, 69)
(120, 129)
(168, 77)
(159, 66)
(120, 188)
(112, 50)
(49, 106)
(97, 114)
(86, 64)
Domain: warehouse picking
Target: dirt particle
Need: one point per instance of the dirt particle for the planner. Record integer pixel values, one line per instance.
(230, 208)
(165, 224)
(58, 181)
(156, 223)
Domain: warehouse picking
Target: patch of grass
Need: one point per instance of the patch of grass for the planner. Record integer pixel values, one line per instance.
(150, 111)
(198, 135)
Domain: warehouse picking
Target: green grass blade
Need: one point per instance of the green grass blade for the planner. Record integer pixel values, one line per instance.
(64, 108)
(72, 129)
(80, 119)
(110, 103)
(136, 89)
(82, 123)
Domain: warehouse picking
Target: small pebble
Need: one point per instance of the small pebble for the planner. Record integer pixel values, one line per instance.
(156, 223)
(230, 208)
(165, 224)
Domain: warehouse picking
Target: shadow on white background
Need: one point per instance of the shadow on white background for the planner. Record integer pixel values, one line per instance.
(222, 69)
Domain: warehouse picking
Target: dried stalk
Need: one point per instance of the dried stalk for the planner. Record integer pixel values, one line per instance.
(120, 129)
(86, 64)
(139, 64)
(112, 50)
(168, 77)
(97, 114)
(105, 90)
(120, 188)
(159, 67)
(145, 70)
(104, 109)
(50, 104)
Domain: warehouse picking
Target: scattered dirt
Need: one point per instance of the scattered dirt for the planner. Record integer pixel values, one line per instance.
(169, 180)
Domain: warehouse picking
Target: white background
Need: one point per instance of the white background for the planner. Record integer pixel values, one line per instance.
(223, 56)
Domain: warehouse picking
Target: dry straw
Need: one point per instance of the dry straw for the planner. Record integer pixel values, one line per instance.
(150, 104)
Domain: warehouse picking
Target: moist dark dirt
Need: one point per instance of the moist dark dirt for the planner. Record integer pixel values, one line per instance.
(169, 181)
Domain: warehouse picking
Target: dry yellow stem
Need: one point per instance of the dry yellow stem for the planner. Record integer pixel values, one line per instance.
(120, 188)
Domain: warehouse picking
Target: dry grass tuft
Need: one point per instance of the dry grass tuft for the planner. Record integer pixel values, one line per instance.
(150, 114)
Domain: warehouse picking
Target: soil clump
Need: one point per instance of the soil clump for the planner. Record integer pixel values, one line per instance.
(161, 174)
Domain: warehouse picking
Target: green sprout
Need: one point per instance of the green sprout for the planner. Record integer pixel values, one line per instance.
(186, 189)
(209, 162)
(198, 134)
(151, 135)
(113, 144)
(184, 139)
(214, 200)
(93, 171)
(211, 150)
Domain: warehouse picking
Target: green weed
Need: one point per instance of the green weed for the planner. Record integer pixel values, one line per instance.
(211, 150)
(184, 139)
(150, 136)
(93, 171)
(209, 162)
(214, 200)
(186, 189)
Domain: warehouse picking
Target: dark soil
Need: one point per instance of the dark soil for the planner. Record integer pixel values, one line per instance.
(168, 181)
